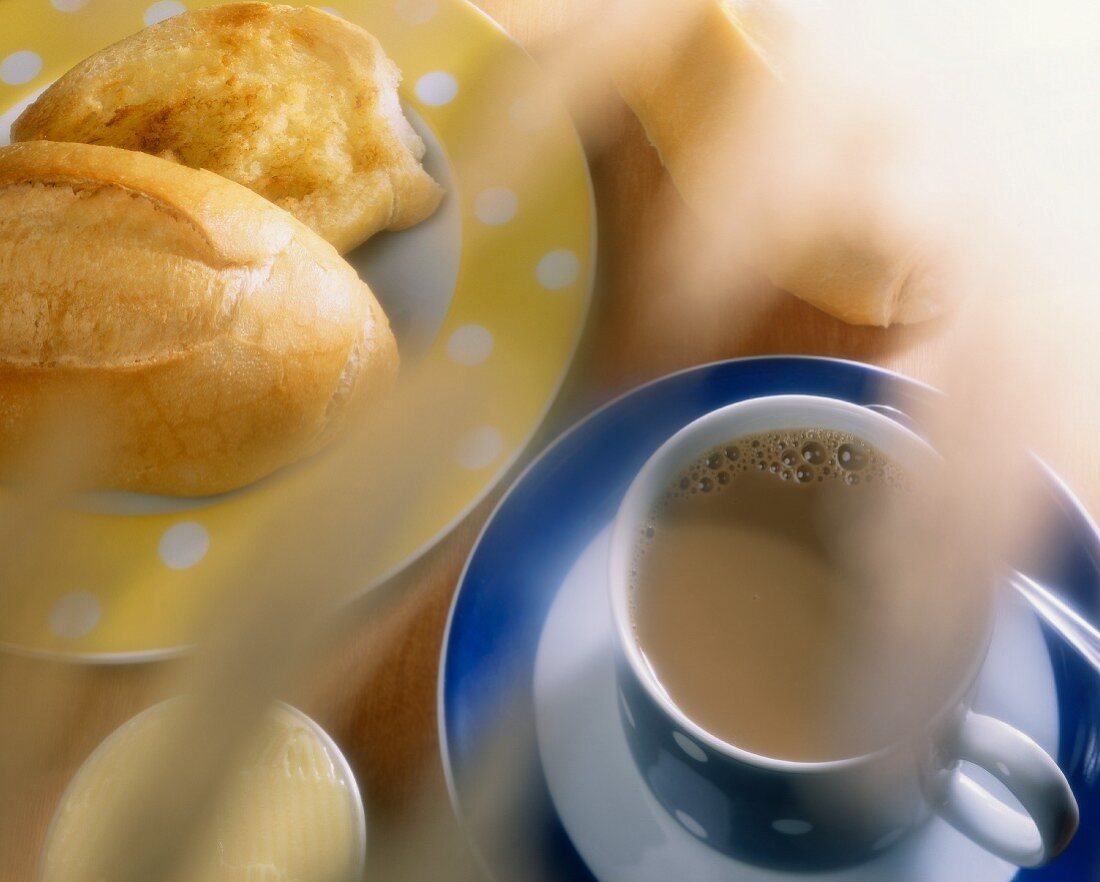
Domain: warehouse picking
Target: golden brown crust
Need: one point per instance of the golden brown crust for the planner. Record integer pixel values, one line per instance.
(212, 336)
(692, 86)
(689, 83)
(295, 104)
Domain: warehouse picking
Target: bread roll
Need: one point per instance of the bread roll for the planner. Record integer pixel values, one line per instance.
(708, 96)
(213, 337)
(295, 104)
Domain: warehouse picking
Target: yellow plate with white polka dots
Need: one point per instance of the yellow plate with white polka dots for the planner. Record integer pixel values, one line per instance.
(509, 315)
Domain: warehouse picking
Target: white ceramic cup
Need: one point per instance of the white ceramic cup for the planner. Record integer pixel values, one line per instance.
(785, 813)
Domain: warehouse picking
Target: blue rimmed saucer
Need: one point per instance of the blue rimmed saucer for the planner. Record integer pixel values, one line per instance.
(526, 644)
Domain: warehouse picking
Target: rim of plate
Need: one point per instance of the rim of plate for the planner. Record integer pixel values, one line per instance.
(441, 716)
(147, 655)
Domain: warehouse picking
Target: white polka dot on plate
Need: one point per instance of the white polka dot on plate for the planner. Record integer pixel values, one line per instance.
(479, 448)
(689, 747)
(163, 9)
(792, 826)
(68, 5)
(416, 11)
(691, 824)
(558, 269)
(75, 615)
(183, 545)
(470, 344)
(20, 67)
(529, 113)
(437, 88)
(496, 206)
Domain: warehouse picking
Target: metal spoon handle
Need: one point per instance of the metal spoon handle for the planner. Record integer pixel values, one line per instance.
(1079, 633)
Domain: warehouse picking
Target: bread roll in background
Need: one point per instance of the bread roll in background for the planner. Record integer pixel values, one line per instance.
(212, 337)
(296, 104)
(758, 159)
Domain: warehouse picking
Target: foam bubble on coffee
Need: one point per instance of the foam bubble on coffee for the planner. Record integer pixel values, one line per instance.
(798, 456)
(774, 612)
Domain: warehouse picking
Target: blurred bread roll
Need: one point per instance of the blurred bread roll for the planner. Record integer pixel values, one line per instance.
(296, 104)
(207, 335)
(754, 153)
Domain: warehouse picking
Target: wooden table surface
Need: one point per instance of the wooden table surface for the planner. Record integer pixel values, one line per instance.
(374, 688)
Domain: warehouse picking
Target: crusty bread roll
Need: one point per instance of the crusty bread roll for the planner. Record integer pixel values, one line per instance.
(702, 85)
(295, 104)
(212, 336)
(689, 76)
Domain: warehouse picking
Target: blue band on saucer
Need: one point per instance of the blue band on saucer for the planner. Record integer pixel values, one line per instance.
(574, 488)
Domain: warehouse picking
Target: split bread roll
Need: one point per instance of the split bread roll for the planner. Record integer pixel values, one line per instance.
(296, 104)
(818, 224)
(211, 336)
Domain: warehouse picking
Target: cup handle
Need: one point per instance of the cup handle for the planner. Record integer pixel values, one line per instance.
(1032, 777)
